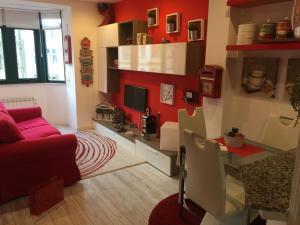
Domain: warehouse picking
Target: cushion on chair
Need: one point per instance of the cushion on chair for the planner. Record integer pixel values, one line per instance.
(9, 131)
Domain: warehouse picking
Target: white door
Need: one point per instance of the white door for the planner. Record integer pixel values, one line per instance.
(128, 59)
(108, 35)
(175, 58)
(150, 58)
(102, 64)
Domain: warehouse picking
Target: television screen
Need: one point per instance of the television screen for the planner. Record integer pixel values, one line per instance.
(135, 98)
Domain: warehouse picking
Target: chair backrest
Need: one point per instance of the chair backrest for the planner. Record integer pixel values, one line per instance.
(280, 132)
(206, 183)
(195, 123)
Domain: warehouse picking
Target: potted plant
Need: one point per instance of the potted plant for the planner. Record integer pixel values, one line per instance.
(193, 32)
(295, 98)
(171, 24)
(151, 18)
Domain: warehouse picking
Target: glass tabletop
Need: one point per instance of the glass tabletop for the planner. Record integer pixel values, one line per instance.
(235, 161)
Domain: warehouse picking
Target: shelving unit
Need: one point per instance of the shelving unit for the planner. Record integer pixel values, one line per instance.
(128, 31)
(251, 3)
(174, 26)
(155, 12)
(263, 47)
(200, 26)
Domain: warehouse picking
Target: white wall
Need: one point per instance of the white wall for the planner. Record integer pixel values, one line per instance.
(51, 98)
(235, 109)
(84, 22)
(73, 103)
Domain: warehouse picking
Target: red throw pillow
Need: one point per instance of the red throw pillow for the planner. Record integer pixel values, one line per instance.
(9, 132)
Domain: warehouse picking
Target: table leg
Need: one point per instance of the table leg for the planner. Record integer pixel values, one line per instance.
(181, 179)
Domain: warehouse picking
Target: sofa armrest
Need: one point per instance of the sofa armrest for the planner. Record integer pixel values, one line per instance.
(28, 151)
(23, 114)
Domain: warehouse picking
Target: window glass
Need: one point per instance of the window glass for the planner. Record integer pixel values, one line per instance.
(54, 49)
(2, 65)
(26, 54)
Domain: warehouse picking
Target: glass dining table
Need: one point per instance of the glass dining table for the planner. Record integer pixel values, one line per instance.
(245, 167)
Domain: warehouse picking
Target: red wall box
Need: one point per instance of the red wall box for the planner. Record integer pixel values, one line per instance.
(137, 10)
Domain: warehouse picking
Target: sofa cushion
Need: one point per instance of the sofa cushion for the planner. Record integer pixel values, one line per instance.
(9, 131)
(28, 124)
(39, 132)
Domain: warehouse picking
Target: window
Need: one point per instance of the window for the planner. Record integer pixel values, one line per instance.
(54, 49)
(2, 66)
(26, 59)
(31, 47)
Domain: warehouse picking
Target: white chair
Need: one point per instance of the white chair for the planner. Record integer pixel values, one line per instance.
(206, 183)
(195, 123)
(280, 132)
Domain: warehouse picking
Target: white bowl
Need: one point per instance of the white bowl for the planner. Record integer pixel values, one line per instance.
(236, 142)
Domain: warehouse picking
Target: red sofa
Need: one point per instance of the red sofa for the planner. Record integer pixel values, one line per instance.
(32, 151)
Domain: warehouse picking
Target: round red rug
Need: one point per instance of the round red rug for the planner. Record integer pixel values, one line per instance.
(167, 212)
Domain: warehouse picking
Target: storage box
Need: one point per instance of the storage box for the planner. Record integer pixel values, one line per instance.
(46, 195)
(169, 136)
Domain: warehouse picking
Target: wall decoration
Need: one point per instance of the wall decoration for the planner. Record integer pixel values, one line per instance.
(86, 61)
(173, 23)
(153, 17)
(107, 12)
(167, 92)
(293, 70)
(260, 76)
(196, 30)
(67, 49)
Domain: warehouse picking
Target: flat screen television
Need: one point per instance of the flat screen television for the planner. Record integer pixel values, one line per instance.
(135, 98)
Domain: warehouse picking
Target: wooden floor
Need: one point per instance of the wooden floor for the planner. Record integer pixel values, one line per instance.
(124, 197)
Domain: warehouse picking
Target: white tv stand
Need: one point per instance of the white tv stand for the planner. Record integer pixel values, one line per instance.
(148, 150)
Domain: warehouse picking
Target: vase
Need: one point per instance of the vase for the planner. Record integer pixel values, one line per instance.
(296, 18)
(171, 27)
(193, 35)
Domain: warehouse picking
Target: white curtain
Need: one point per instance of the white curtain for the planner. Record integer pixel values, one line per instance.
(21, 19)
(51, 20)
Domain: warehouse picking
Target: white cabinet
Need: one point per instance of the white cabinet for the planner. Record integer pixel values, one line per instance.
(102, 66)
(154, 157)
(175, 58)
(151, 58)
(128, 59)
(108, 35)
(120, 141)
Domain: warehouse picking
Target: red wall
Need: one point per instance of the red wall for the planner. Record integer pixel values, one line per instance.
(137, 10)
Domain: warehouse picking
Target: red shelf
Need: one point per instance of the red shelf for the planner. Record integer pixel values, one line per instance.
(250, 3)
(263, 47)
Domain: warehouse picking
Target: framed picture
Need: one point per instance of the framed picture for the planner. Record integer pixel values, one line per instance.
(260, 77)
(167, 92)
(173, 23)
(293, 70)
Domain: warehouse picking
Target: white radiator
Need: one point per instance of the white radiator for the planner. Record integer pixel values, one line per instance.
(18, 102)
